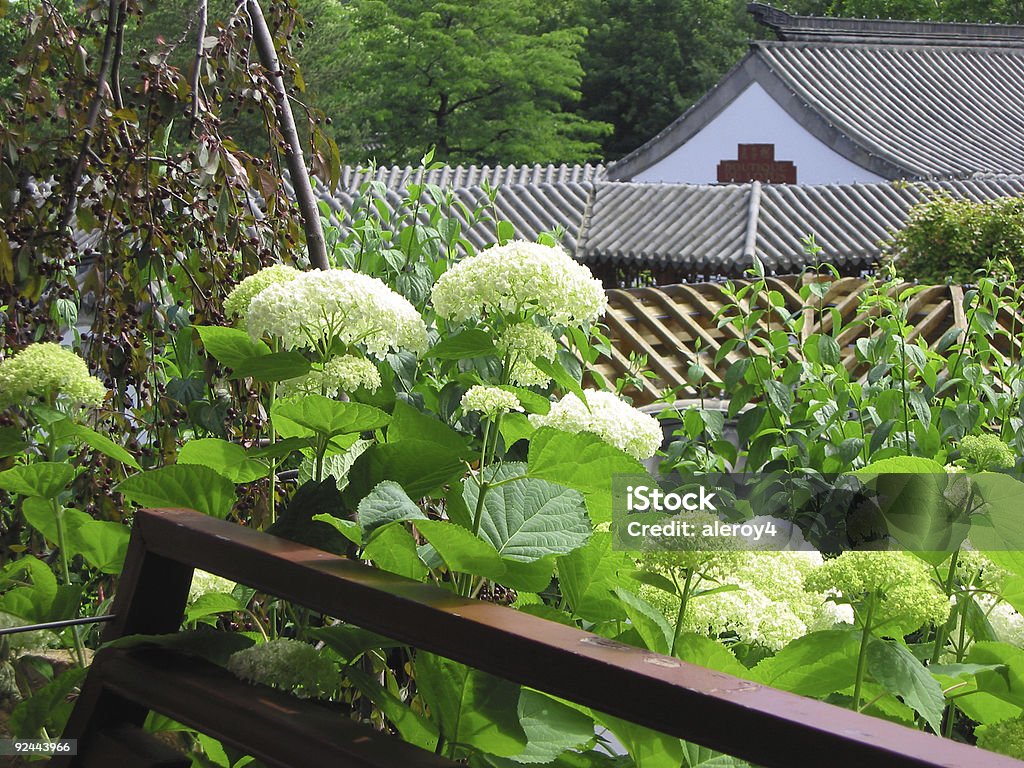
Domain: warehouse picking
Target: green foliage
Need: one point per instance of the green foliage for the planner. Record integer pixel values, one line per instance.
(646, 62)
(483, 82)
(950, 239)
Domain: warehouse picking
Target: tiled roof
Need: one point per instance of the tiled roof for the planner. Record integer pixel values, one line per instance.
(901, 99)
(397, 177)
(931, 111)
(707, 229)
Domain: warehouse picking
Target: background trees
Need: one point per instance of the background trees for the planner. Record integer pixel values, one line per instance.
(487, 81)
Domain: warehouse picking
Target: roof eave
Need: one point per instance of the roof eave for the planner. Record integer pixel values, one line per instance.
(811, 120)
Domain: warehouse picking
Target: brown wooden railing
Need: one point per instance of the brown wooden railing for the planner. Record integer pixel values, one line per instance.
(765, 726)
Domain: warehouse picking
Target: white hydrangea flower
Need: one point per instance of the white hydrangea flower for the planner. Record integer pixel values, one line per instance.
(345, 373)
(490, 401)
(520, 277)
(1007, 623)
(290, 665)
(320, 305)
(237, 302)
(613, 420)
(205, 583)
(523, 343)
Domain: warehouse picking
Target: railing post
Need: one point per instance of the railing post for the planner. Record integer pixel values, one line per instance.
(150, 600)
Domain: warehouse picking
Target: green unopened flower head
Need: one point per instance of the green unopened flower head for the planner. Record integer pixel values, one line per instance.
(523, 343)
(985, 452)
(290, 665)
(345, 373)
(976, 570)
(613, 420)
(42, 371)
(490, 401)
(907, 598)
(1006, 737)
(764, 603)
(520, 277)
(237, 302)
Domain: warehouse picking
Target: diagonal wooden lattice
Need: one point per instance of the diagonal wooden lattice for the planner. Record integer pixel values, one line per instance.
(675, 328)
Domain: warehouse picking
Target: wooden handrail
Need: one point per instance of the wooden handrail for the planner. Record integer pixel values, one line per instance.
(769, 727)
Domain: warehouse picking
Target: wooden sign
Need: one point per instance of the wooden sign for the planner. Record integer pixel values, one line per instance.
(756, 162)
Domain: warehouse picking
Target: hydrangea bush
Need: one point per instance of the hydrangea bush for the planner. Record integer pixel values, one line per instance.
(427, 412)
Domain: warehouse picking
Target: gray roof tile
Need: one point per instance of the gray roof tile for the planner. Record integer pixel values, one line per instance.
(708, 229)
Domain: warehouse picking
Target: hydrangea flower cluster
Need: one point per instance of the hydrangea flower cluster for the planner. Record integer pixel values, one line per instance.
(48, 369)
(614, 421)
(769, 607)
(975, 569)
(344, 373)
(1007, 623)
(1006, 737)
(205, 583)
(520, 277)
(984, 452)
(523, 343)
(909, 599)
(320, 305)
(490, 401)
(290, 665)
(237, 302)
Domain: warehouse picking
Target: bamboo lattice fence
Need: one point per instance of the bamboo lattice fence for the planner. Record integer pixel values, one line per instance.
(664, 323)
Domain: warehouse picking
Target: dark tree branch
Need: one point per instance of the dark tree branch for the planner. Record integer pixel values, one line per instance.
(470, 99)
(264, 41)
(115, 67)
(102, 88)
(197, 65)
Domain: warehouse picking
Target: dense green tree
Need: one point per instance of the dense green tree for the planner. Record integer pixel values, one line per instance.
(480, 80)
(981, 11)
(646, 61)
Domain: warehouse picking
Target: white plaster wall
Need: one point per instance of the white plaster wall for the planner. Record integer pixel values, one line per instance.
(755, 118)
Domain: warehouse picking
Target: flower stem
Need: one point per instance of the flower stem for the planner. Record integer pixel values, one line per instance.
(862, 657)
(66, 572)
(684, 597)
(941, 632)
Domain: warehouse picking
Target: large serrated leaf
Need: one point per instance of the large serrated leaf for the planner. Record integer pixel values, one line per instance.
(324, 416)
(551, 728)
(583, 462)
(461, 346)
(587, 576)
(408, 423)
(647, 620)
(187, 486)
(528, 518)
(227, 459)
(231, 347)
(472, 708)
(386, 503)
(813, 665)
(44, 478)
(392, 548)
(901, 674)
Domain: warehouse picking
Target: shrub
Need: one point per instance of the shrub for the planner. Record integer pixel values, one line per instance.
(946, 238)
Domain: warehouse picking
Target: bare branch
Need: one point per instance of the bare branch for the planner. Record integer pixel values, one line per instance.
(264, 41)
(197, 65)
(115, 67)
(102, 89)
